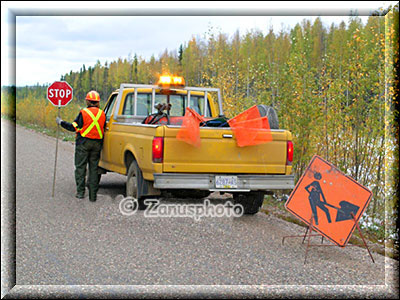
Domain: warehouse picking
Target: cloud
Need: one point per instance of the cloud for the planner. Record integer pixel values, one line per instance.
(70, 41)
(65, 43)
(73, 41)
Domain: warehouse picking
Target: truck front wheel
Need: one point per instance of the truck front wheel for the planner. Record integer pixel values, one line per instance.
(134, 181)
(251, 201)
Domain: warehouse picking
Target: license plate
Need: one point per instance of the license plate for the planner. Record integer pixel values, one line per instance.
(226, 182)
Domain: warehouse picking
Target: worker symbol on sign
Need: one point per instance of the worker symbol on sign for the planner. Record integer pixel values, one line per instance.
(344, 211)
(315, 191)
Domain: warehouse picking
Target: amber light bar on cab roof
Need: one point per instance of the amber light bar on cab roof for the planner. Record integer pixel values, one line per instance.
(167, 81)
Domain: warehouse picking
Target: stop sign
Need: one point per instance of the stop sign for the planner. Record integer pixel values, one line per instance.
(59, 93)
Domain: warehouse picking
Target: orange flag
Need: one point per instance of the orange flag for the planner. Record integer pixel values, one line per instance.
(190, 130)
(250, 128)
(251, 113)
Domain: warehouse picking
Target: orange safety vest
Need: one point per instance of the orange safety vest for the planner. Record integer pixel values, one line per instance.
(93, 123)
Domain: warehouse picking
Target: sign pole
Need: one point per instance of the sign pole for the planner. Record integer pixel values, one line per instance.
(55, 161)
(59, 93)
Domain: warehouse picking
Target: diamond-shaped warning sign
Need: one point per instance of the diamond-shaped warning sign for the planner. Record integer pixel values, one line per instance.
(331, 197)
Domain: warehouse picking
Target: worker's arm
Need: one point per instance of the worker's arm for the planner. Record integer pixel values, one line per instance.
(323, 196)
(320, 191)
(75, 125)
(307, 187)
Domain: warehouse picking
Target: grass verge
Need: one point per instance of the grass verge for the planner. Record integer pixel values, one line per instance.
(63, 134)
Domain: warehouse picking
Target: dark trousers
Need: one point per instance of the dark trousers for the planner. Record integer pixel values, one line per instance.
(87, 153)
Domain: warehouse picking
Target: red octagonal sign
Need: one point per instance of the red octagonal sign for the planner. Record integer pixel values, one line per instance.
(60, 93)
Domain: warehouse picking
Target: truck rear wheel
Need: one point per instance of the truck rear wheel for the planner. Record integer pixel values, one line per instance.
(133, 181)
(251, 201)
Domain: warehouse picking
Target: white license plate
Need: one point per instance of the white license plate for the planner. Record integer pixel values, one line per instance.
(226, 182)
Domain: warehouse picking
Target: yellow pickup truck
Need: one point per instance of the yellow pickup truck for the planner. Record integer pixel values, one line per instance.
(140, 141)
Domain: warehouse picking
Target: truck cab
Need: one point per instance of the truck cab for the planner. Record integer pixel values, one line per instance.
(157, 163)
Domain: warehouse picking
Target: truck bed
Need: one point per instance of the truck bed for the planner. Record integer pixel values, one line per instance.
(219, 153)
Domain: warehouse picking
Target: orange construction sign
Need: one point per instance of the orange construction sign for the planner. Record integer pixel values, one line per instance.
(331, 198)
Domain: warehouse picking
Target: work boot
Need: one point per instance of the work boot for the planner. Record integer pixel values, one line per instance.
(79, 196)
(92, 196)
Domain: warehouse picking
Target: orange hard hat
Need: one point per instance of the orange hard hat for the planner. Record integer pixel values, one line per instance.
(93, 96)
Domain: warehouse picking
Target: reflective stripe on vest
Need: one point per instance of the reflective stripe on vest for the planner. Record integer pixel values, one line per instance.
(95, 122)
(76, 126)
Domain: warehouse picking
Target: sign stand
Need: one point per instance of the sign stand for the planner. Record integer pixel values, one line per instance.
(309, 234)
(55, 160)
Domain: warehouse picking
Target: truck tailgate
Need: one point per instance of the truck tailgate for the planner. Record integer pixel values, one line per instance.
(219, 153)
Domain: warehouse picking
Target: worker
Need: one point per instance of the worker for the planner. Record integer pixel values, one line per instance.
(89, 128)
(315, 191)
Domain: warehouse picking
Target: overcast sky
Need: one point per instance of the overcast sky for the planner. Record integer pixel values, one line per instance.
(50, 46)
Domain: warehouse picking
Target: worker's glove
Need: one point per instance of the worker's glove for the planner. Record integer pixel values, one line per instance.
(58, 120)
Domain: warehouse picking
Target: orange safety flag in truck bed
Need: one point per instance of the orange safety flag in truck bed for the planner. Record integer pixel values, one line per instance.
(251, 113)
(190, 130)
(250, 128)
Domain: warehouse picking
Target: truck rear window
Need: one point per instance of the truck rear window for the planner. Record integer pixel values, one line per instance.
(178, 104)
(143, 104)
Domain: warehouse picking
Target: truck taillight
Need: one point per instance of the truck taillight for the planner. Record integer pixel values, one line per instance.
(289, 152)
(158, 149)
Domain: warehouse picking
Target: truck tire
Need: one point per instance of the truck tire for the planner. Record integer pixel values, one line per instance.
(134, 181)
(251, 201)
(270, 112)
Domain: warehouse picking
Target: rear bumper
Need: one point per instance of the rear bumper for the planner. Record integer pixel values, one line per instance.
(207, 182)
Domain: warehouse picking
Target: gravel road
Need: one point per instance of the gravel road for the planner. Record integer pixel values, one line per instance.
(67, 241)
